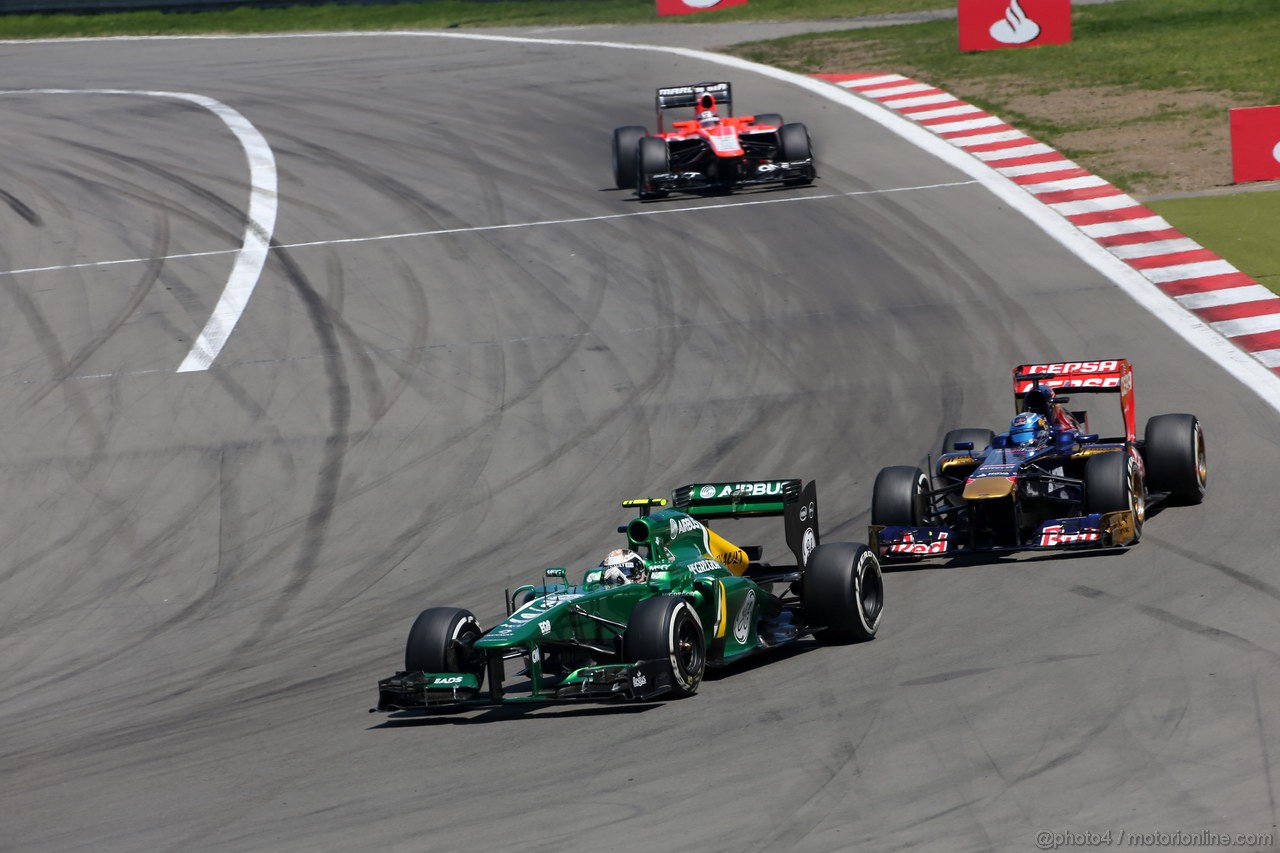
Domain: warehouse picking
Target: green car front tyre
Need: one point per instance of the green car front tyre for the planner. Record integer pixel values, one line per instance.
(666, 628)
(440, 641)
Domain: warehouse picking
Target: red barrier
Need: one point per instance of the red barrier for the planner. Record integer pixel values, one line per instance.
(996, 24)
(1255, 144)
(688, 7)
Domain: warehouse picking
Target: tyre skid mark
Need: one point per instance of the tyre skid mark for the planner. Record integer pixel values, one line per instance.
(260, 219)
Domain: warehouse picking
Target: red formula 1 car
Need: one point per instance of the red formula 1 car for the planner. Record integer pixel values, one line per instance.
(710, 151)
(1050, 481)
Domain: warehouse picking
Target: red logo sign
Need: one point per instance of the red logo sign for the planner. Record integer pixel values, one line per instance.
(1255, 144)
(995, 24)
(909, 545)
(688, 7)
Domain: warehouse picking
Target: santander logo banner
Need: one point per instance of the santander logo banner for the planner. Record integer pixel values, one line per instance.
(688, 7)
(1255, 144)
(996, 24)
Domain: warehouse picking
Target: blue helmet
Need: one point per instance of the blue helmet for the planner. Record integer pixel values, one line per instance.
(1028, 428)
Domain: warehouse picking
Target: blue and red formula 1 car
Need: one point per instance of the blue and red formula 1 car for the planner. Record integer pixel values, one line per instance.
(1046, 483)
(710, 151)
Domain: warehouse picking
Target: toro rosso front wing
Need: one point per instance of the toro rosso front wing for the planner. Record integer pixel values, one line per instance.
(1098, 530)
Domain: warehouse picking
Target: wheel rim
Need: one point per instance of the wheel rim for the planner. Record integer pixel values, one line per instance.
(871, 595)
(688, 651)
(1202, 465)
(468, 634)
(1137, 494)
(922, 497)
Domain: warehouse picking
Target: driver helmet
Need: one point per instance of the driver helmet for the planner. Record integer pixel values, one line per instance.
(1039, 399)
(708, 118)
(623, 566)
(1028, 428)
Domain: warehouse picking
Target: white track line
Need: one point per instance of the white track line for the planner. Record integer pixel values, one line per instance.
(1248, 370)
(261, 220)
(472, 229)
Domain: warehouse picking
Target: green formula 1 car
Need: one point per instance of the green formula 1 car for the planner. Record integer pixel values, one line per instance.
(680, 598)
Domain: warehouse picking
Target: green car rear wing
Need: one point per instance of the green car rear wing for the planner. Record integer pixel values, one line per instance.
(794, 500)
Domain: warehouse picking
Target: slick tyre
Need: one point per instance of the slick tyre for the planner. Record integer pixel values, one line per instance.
(793, 145)
(440, 641)
(769, 118)
(652, 158)
(1113, 482)
(666, 628)
(899, 496)
(843, 592)
(1175, 457)
(981, 439)
(626, 142)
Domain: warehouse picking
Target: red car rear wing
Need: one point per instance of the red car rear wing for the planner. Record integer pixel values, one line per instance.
(699, 96)
(1106, 376)
(673, 97)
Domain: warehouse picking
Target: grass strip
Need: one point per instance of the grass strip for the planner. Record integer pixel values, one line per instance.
(1241, 227)
(1225, 45)
(1184, 61)
(442, 14)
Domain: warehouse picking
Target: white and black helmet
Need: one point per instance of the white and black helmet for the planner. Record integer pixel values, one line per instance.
(624, 564)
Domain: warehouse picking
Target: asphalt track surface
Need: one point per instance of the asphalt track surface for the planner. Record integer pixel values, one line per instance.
(204, 574)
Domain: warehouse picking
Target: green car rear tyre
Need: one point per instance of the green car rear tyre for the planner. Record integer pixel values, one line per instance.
(843, 592)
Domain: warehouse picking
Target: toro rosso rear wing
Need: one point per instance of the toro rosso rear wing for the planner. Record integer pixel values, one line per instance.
(794, 500)
(699, 96)
(1106, 376)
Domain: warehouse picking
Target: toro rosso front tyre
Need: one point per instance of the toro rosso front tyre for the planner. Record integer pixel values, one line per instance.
(843, 592)
(1175, 457)
(981, 439)
(1113, 482)
(899, 496)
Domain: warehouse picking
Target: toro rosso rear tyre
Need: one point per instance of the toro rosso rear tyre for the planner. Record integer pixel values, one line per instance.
(1175, 457)
(626, 141)
(440, 641)
(794, 145)
(843, 592)
(981, 439)
(899, 497)
(652, 159)
(769, 118)
(1112, 482)
(666, 628)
